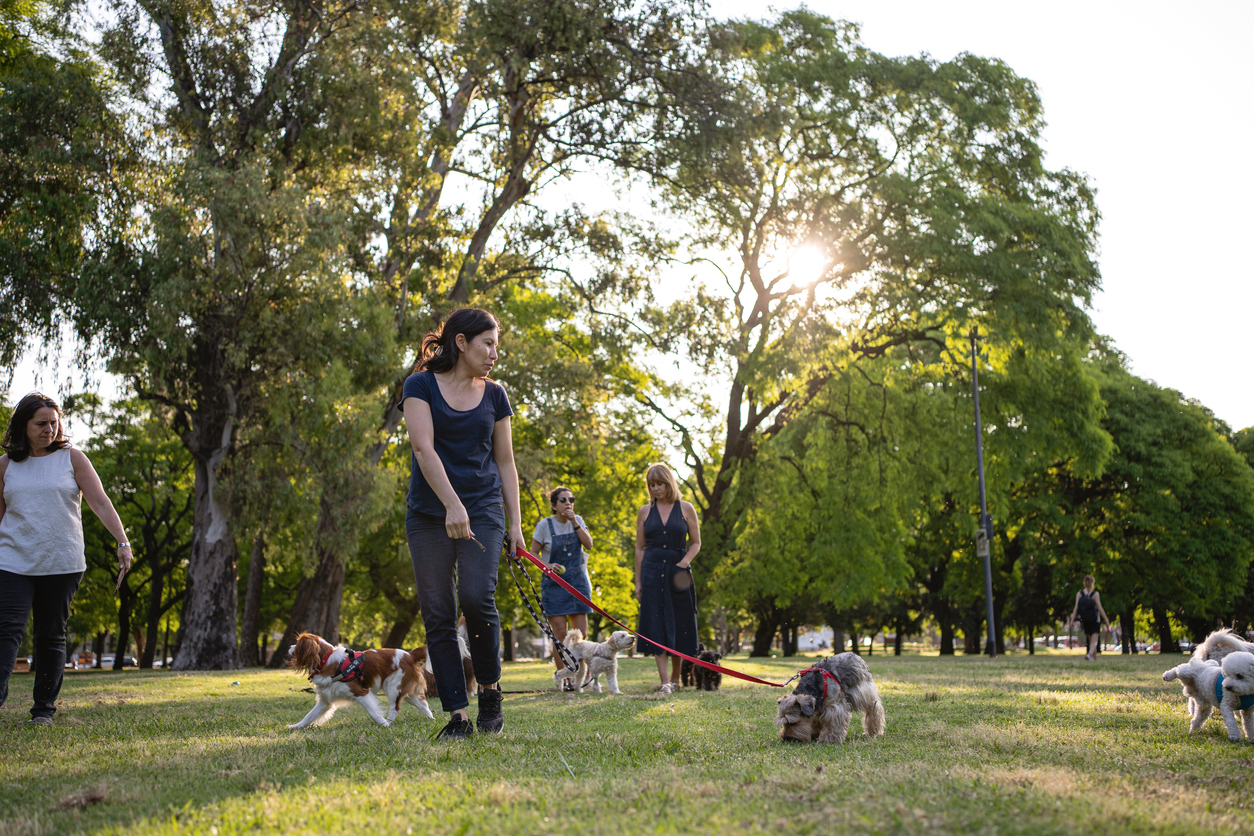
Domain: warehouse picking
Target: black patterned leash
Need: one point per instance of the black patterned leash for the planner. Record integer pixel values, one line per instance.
(567, 657)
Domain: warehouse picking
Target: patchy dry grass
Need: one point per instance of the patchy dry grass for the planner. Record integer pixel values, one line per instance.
(1041, 745)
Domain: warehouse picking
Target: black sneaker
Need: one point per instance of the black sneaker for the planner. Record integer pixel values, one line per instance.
(490, 720)
(457, 729)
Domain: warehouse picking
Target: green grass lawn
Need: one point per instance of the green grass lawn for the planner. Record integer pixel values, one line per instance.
(1050, 744)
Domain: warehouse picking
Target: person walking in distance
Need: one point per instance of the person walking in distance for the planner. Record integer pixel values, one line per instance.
(463, 493)
(43, 480)
(1088, 606)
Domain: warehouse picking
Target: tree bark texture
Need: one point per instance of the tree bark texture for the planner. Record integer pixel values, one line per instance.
(206, 639)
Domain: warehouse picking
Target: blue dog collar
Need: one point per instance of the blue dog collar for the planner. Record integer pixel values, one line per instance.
(1247, 700)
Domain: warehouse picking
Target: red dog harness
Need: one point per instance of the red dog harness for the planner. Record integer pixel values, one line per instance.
(349, 669)
(826, 675)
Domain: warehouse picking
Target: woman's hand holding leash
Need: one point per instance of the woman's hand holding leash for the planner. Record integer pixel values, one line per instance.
(515, 542)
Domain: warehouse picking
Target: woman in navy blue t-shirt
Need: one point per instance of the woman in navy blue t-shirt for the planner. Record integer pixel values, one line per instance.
(463, 486)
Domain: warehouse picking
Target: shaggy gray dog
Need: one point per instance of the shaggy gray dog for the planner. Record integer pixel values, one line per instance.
(825, 699)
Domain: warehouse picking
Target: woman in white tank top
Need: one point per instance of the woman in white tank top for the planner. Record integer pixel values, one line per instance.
(42, 482)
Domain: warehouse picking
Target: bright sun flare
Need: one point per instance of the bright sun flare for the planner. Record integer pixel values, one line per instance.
(805, 266)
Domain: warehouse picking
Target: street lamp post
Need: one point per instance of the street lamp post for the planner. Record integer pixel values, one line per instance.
(984, 538)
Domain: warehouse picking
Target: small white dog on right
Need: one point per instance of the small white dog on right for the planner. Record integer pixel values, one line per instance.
(1228, 686)
(597, 658)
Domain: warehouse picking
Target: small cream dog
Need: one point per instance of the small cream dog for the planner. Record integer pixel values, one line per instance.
(1226, 685)
(595, 659)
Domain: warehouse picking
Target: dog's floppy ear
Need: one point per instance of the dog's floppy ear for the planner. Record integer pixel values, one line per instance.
(794, 708)
(806, 704)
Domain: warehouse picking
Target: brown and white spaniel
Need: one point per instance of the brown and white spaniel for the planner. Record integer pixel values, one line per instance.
(340, 675)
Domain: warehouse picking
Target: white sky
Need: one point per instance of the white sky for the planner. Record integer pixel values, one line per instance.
(1155, 102)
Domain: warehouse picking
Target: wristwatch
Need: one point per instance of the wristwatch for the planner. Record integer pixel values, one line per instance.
(124, 544)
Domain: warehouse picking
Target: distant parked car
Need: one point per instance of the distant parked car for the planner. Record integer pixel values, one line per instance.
(106, 661)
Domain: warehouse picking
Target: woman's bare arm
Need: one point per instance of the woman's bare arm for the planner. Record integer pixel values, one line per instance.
(1097, 599)
(694, 533)
(503, 452)
(422, 439)
(640, 517)
(93, 491)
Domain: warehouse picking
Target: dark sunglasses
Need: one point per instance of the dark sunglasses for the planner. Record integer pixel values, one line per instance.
(569, 499)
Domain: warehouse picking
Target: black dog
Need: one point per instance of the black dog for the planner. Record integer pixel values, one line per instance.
(703, 678)
(686, 668)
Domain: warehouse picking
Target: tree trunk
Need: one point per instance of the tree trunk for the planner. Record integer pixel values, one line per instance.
(946, 636)
(400, 630)
(97, 647)
(855, 642)
(1031, 641)
(124, 625)
(507, 643)
(156, 589)
(838, 641)
(763, 637)
(206, 637)
(317, 607)
(1166, 644)
(789, 639)
(318, 597)
(897, 643)
(165, 645)
(250, 626)
(1127, 620)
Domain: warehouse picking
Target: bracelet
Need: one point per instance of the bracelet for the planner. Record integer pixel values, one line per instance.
(124, 544)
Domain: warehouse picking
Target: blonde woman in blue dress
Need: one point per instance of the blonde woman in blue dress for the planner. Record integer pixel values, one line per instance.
(668, 537)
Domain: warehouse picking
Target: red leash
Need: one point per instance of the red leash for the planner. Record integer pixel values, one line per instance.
(553, 576)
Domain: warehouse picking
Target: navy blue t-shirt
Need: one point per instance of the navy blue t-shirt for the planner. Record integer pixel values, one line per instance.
(463, 441)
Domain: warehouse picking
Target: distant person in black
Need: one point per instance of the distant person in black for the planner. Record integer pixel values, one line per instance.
(1088, 605)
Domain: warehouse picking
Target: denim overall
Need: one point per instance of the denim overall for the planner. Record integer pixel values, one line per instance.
(566, 550)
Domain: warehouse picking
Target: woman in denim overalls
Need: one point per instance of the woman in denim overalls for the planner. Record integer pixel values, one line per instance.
(561, 539)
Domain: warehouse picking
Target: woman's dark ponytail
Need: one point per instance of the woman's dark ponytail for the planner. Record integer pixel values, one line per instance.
(439, 347)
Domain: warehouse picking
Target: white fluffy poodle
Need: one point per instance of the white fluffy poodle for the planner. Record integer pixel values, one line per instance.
(597, 658)
(1228, 686)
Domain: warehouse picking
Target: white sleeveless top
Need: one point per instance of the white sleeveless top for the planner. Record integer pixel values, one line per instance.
(41, 532)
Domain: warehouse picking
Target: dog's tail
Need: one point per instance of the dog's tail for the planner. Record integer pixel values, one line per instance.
(573, 636)
(1219, 644)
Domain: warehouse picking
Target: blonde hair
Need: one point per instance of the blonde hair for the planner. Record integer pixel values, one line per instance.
(660, 474)
(1089, 583)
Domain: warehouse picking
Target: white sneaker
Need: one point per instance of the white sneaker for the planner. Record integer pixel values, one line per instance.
(666, 689)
